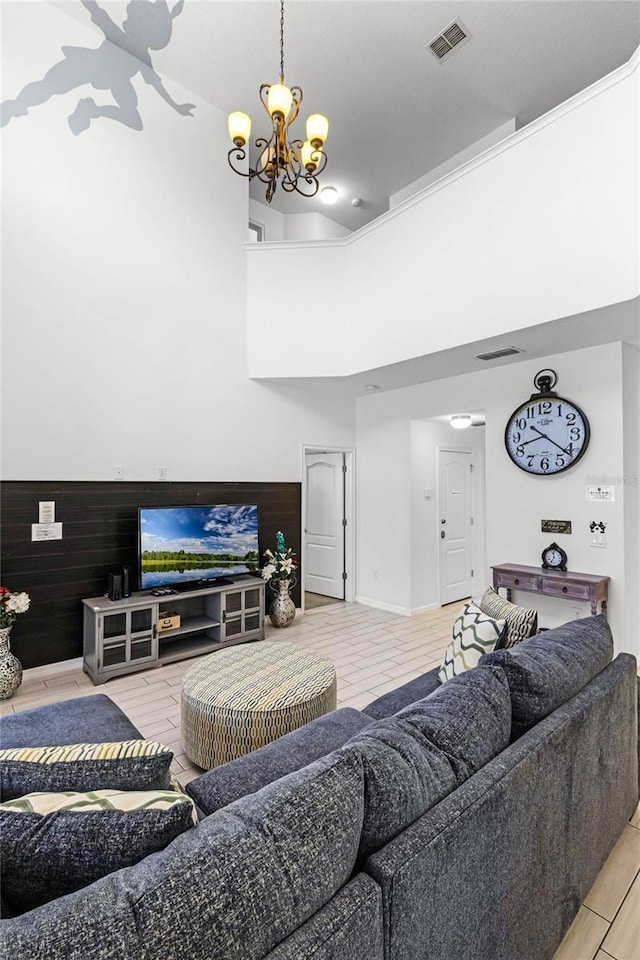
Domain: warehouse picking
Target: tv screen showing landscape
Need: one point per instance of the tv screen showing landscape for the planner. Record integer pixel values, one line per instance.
(181, 545)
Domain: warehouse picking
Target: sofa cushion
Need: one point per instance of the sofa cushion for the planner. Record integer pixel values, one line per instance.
(124, 765)
(232, 888)
(413, 760)
(549, 668)
(252, 873)
(416, 689)
(222, 785)
(473, 634)
(82, 719)
(522, 622)
(54, 843)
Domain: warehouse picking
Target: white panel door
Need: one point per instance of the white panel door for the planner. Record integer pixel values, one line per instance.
(454, 501)
(324, 526)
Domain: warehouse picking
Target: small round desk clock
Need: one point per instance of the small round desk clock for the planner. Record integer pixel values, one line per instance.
(547, 433)
(554, 558)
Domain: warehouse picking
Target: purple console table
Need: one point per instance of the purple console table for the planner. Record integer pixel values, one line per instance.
(553, 583)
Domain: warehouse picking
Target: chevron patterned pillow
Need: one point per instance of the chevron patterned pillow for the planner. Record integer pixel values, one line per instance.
(474, 633)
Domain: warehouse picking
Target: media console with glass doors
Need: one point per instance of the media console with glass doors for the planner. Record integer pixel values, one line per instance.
(125, 636)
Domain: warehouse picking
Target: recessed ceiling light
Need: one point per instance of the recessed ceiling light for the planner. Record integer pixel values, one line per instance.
(329, 195)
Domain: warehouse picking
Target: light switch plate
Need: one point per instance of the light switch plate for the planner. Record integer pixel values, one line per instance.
(46, 531)
(46, 511)
(604, 494)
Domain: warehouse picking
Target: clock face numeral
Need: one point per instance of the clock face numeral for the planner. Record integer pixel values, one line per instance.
(546, 436)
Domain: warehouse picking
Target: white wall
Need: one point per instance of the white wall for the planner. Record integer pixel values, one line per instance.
(312, 226)
(473, 150)
(294, 226)
(541, 226)
(124, 291)
(515, 501)
(272, 220)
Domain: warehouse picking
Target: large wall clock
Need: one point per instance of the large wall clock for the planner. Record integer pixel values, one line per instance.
(547, 433)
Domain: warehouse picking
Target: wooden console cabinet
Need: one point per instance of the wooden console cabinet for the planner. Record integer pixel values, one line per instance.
(123, 636)
(553, 583)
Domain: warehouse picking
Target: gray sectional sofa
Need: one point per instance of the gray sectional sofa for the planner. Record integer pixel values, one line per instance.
(463, 821)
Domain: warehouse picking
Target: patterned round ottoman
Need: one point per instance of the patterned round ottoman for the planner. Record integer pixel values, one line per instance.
(240, 698)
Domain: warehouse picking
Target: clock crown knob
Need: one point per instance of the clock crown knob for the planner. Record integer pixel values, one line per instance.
(545, 381)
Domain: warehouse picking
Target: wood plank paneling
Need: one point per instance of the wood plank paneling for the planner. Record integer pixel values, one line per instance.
(100, 533)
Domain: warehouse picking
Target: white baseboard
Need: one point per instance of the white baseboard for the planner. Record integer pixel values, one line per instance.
(427, 606)
(392, 608)
(389, 607)
(50, 669)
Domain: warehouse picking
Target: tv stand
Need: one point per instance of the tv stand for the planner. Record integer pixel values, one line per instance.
(126, 636)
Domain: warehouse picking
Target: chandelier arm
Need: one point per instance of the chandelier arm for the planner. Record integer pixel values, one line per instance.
(264, 94)
(295, 106)
(239, 155)
(319, 157)
(311, 180)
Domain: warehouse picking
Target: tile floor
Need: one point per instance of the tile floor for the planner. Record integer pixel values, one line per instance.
(373, 652)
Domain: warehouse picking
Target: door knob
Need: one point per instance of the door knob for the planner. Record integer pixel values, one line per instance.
(443, 521)
(442, 534)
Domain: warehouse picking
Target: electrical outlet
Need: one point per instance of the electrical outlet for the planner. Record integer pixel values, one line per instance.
(118, 472)
(162, 473)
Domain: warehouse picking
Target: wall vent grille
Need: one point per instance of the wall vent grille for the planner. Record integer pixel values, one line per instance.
(505, 352)
(450, 38)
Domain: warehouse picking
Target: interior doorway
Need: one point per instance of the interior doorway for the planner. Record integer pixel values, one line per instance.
(327, 521)
(455, 523)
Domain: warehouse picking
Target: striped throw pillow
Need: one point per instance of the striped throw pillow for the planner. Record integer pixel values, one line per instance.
(123, 765)
(473, 635)
(522, 622)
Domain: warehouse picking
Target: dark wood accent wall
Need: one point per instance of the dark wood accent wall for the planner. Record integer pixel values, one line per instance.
(100, 533)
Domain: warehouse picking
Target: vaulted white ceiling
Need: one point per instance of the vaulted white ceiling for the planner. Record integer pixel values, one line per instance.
(395, 112)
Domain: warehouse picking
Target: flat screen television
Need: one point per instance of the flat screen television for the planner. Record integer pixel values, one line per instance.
(190, 546)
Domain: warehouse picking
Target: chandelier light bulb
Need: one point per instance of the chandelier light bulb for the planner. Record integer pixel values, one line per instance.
(239, 125)
(279, 101)
(317, 129)
(461, 421)
(309, 161)
(329, 195)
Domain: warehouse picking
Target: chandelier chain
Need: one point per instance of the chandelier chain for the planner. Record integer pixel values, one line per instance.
(281, 41)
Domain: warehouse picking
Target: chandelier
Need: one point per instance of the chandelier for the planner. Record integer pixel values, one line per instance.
(295, 164)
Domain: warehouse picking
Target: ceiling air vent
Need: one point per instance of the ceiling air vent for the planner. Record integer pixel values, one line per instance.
(452, 36)
(505, 352)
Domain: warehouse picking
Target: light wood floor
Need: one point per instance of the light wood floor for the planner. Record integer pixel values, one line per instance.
(373, 652)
